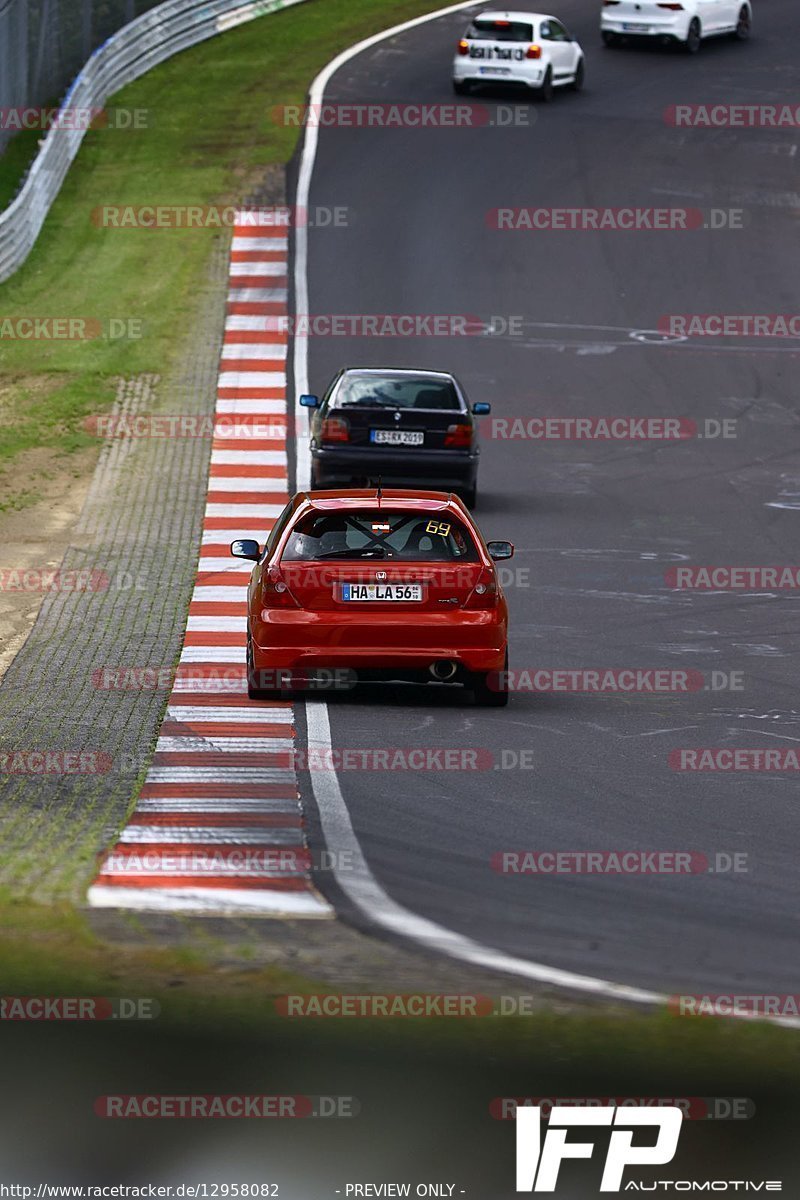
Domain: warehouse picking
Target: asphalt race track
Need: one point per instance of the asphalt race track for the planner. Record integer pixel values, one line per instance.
(596, 525)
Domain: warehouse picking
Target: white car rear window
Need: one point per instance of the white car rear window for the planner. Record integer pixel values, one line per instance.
(500, 31)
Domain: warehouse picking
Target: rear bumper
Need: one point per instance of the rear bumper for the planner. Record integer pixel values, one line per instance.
(381, 641)
(467, 70)
(443, 469)
(669, 26)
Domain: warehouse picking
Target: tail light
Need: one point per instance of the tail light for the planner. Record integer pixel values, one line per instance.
(533, 52)
(485, 594)
(334, 429)
(458, 436)
(610, 3)
(463, 46)
(275, 592)
(672, 7)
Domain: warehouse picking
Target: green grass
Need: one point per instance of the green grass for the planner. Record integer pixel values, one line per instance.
(52, 951)
(210, 136)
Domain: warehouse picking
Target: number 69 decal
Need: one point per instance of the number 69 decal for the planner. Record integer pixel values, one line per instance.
(440, 527)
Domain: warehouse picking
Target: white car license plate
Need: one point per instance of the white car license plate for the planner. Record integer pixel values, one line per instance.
(381, 591)
(632, 27)
(495, 70)
(397, 437)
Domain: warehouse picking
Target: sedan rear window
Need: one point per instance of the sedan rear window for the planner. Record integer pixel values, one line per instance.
(376, 391)
(377, 534)
(501, 31)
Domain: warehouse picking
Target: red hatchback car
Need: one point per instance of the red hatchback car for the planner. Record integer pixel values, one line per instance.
(385, 584)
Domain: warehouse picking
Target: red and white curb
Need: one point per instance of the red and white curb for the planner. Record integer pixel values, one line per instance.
(218, 826)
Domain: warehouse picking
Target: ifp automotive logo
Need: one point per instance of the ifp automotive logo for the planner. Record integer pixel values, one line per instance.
(538, 1161)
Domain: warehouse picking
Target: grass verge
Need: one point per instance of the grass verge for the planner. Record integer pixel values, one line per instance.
(209, 136)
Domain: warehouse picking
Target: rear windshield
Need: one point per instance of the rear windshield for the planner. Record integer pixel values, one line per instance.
(377, 534)
(501, 31)
(376, 391)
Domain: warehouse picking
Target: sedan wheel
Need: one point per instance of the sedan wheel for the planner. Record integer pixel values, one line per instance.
(254, 692)
(743, 26)
(693, 37)
(491, 697)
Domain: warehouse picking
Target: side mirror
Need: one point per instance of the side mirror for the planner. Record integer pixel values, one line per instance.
(500, 550)
(481, 408)
(246, 548)
(307, 401)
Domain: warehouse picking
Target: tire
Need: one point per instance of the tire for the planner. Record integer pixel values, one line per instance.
(610, 39)
(470, 497)
(580, 75)
(253, 691)
(693, 37)
(485, 696)
(545, 92)
(743, 25)
(461, 87)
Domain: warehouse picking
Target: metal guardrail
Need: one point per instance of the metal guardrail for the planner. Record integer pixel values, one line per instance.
(144, 43)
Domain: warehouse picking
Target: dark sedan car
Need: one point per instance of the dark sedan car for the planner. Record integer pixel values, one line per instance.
(402, 426)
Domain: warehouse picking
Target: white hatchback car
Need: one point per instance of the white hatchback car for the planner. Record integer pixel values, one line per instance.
(518, 47)
(687, 22)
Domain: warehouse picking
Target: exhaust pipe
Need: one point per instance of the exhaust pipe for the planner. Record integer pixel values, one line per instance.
(443, 669)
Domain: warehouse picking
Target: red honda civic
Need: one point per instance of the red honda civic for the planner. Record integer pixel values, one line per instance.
(376, 585)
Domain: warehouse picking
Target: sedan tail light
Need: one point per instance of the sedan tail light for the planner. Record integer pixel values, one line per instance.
(334, 429)
(485, 594)
(275, 591)
(609, 3)
(463, 46)
(533, 52)
(672, 7)
(459, 436)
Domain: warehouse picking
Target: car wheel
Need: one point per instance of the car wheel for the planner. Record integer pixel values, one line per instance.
(491, 697)
(461, 87)
(580, 73)
(692, 44)
(254, 692)
(743, 25)
(609, 39)
(546, 89)
(470, 497)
